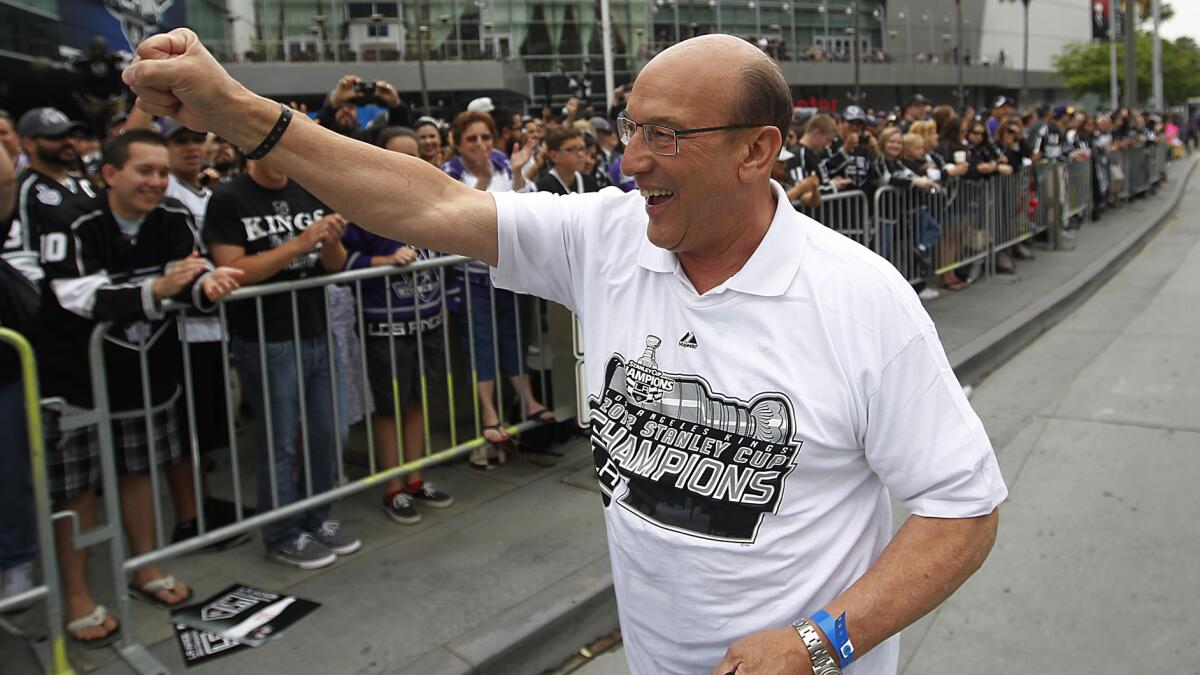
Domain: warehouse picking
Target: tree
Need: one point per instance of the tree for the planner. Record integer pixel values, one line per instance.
(1084, 68)
(1165, 11)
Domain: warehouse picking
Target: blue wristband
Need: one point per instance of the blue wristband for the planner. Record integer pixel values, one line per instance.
(835, 632)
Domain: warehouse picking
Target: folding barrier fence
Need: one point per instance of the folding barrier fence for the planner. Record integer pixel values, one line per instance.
(845, 212)
(306, 387)
(56, 660)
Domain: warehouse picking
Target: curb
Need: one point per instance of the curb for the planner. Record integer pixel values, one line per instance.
(974, 361)
(532, 636)
(537, 634)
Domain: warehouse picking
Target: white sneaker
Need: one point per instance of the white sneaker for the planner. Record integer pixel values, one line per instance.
(928, 294)
(17, 579)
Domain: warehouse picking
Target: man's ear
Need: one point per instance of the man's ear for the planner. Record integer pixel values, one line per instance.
(107, 172)
(759, 154)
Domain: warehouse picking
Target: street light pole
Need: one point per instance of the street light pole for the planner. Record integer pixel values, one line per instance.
(855, 52)
(958, 55)
(421, 30)
(1113, 91)
(1025, 58)
(1159, 104)
(1131, 95)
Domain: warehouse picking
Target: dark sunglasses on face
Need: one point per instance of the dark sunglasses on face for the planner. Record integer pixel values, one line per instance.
(182, 138)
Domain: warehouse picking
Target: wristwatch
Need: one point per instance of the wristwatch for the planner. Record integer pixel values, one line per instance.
(822, 662)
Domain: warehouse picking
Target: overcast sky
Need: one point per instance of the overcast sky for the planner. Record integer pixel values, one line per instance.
(1185, 22)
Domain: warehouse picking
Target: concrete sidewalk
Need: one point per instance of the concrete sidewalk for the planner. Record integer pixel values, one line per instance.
(514, 577)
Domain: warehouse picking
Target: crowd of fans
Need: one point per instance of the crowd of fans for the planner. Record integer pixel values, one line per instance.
(110, 229)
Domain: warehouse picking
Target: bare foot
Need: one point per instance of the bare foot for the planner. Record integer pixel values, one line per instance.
(173, 596)
(79, 605)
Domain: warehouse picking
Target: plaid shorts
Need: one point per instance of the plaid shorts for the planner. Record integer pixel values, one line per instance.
(73, 454)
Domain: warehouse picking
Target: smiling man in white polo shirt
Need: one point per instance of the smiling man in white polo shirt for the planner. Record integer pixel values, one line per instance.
(760, 385)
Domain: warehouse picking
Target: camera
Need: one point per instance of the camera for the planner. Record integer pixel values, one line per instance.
(364, 89)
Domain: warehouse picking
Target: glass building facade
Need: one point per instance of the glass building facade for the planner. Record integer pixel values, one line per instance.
(551, 36)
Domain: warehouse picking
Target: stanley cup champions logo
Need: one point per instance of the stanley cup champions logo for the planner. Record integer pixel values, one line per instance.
(685, 458)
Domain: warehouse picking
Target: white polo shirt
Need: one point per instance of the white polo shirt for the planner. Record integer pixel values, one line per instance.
(746, 440)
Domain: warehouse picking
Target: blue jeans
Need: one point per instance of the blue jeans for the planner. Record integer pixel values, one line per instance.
(283, 401)
(929, 231)
(482, 318)
(18, 537)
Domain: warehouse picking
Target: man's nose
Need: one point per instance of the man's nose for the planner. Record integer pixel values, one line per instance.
(638, 158)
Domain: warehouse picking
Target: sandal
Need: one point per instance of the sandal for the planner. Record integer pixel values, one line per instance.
(541, 416)
(94, 620)
(955, 286)
(147, 592)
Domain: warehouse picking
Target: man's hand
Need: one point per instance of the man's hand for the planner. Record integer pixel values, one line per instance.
(221, 282)
(174, 75)
(841, 182)
(770, 652)
(343, 91)
(405, 255)
(387, 94)
(179, 274)
(327, 229)
(1004, 169)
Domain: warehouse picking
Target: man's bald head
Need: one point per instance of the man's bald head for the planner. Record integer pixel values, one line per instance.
(729, 72)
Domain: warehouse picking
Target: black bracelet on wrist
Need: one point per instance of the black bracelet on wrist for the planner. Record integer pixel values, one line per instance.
(273, 136)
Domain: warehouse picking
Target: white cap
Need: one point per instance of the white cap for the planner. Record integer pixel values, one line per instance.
(483, 105)
(784, 155)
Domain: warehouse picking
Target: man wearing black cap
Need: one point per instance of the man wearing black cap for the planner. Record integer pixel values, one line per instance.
(1048, 144)
(850, 164)
(915, 110)
(1002, 107)
(49, 196)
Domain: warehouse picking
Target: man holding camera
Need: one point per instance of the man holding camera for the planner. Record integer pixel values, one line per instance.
(340, 112)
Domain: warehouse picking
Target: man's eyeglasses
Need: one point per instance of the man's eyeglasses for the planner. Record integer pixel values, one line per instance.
(482, 138)
(665, 140)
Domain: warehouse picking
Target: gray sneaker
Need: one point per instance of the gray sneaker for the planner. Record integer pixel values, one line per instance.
(330, 534)
(304, 552)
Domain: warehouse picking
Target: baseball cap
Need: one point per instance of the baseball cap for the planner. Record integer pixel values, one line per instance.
(600, 124)
(171, 126)
(45, 122)
(1002, 101)
(483, 104)
(1060, 110)
(854, 113)
(917, 99)
(784, 155)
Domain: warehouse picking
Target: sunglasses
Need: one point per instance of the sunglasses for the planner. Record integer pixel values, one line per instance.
(474, 138)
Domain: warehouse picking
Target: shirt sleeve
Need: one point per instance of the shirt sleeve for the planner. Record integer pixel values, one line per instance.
(923, 439)
(76, 275)
(221, 224)
(541, 247)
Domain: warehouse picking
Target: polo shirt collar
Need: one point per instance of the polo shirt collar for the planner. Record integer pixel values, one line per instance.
(772, 267)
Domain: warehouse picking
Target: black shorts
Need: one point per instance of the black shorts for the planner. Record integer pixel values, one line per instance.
(73, 454)
(404, 379)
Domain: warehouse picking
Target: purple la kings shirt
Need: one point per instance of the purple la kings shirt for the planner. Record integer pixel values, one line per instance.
(407, 301)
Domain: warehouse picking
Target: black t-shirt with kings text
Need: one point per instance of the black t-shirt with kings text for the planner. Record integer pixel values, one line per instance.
(243, 213)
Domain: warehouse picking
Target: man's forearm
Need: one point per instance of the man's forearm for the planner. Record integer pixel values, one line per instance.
(391, 194)
(928, 559)
(258, 267)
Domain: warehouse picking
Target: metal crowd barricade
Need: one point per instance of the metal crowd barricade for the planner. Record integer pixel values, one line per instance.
(1014, 198)
(56, 661)
(461, 435)
(845, 212)
(1078, 202)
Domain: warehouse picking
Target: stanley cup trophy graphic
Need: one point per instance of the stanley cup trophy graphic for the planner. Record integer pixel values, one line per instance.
(688, 399)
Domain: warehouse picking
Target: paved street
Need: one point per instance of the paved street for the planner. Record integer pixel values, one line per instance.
(1097, 433)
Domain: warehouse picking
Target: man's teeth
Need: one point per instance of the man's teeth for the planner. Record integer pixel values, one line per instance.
(656, 193)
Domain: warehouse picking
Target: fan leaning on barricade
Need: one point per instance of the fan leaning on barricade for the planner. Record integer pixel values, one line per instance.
(806, 361)
(118, 263)
(394, 310)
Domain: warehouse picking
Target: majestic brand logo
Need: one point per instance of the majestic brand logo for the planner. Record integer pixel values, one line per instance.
(688, 341)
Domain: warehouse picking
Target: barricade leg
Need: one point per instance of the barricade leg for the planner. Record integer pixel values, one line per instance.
(49, 588)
